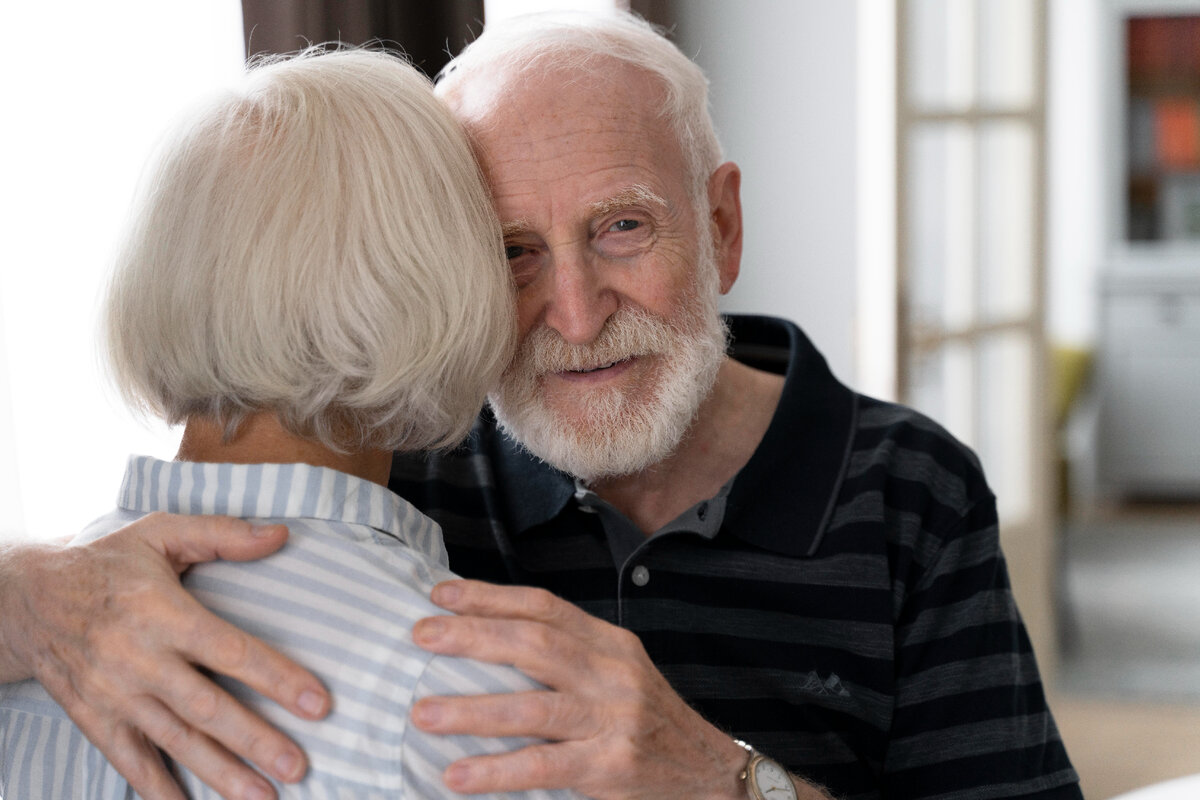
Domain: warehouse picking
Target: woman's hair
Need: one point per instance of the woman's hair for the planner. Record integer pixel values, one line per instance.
(318, 243)
(533, 45)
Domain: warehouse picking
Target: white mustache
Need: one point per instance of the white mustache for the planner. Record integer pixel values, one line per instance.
(629, 333)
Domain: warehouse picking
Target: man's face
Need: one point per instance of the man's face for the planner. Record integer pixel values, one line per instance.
(613, 260)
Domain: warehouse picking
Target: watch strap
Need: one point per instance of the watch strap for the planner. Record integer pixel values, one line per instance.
(751, 753)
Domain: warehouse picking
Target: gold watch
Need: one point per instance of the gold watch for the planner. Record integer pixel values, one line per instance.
(765, 778)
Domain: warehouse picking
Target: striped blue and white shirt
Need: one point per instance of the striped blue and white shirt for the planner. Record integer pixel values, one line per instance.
(340, 598)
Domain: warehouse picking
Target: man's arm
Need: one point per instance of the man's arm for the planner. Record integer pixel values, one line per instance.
(617, 729)
(109, 631)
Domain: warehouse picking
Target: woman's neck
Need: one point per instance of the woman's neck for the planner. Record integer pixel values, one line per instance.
(261, 439)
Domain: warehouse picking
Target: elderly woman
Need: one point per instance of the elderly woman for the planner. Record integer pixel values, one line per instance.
(314, 279)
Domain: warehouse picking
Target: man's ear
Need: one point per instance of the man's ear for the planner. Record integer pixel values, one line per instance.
(725, 207)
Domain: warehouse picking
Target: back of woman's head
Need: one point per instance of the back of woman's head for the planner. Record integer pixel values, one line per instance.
(319, 243)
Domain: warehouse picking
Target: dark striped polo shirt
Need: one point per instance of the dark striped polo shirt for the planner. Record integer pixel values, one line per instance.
(843, 605)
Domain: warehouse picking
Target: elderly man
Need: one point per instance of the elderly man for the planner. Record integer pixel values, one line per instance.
(733, 547)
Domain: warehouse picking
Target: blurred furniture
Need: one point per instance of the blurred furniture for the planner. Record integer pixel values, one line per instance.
(1149, 350)
(1150, 379)
(1071, 375)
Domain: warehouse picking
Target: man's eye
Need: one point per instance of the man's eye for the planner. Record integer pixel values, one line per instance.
(625, 225)
(523, 261)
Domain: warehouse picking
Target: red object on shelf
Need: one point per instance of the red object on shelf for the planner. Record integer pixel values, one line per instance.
(1177, 133)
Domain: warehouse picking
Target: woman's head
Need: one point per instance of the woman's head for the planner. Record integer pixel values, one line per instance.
(316, 242)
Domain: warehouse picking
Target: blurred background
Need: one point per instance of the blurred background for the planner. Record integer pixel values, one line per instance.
(989, 209)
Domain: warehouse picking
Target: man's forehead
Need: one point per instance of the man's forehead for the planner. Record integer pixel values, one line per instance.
(563, 144)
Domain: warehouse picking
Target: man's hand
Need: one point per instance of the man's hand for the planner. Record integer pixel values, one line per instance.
(109, 631)
(617, 729)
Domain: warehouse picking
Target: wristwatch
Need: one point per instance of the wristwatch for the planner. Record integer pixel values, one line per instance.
(765, 778)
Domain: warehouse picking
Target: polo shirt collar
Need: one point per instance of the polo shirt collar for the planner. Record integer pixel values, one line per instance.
(533, 491)
(783, 498)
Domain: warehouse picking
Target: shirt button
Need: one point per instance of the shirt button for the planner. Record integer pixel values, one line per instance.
(641, 575)
(702, 511)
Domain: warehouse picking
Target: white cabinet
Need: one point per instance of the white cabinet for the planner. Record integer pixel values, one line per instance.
(1149, 383)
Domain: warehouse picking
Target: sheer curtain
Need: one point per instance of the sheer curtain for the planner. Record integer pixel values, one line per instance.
(88, 88)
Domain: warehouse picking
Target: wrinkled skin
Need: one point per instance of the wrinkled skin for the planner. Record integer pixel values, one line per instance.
(110, 632)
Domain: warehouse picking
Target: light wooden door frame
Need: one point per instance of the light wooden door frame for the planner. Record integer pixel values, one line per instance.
(958, 337)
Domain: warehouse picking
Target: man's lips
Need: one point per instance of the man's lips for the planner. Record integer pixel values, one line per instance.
(600, 370)
(597, 369)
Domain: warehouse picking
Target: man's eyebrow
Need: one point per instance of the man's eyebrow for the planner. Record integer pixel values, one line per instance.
(634, 195)
(514, 227)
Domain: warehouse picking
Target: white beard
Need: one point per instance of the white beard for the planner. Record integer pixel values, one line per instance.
(618, 431)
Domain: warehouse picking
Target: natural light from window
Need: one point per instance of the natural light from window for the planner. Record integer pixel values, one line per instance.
(88, 89)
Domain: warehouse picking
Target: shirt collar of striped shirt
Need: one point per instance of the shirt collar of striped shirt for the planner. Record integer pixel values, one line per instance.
(275, 492)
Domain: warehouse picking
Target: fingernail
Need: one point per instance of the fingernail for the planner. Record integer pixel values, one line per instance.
(427, 712)
(458, 776)
(429, 630)
(257, 792)
(287, 765)
(311, 702)
(446, 593)
(261, 531)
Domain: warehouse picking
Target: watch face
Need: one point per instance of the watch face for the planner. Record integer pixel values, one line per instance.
(772, 781)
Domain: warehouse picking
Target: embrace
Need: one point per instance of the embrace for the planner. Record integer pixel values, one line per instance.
(673, 557)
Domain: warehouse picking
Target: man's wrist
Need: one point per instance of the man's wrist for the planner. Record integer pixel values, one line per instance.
(804, 789)
(728, 768)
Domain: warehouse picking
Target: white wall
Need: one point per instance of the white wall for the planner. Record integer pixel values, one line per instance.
(88, 89)
(1075, 163)
(783, 85)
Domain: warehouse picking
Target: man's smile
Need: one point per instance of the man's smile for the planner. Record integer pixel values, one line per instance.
(606, 370)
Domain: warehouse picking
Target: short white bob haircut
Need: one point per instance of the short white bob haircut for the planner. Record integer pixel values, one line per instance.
(317, 242)
(529, 46)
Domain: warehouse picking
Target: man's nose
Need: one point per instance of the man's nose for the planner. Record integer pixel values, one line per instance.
(581, 300)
